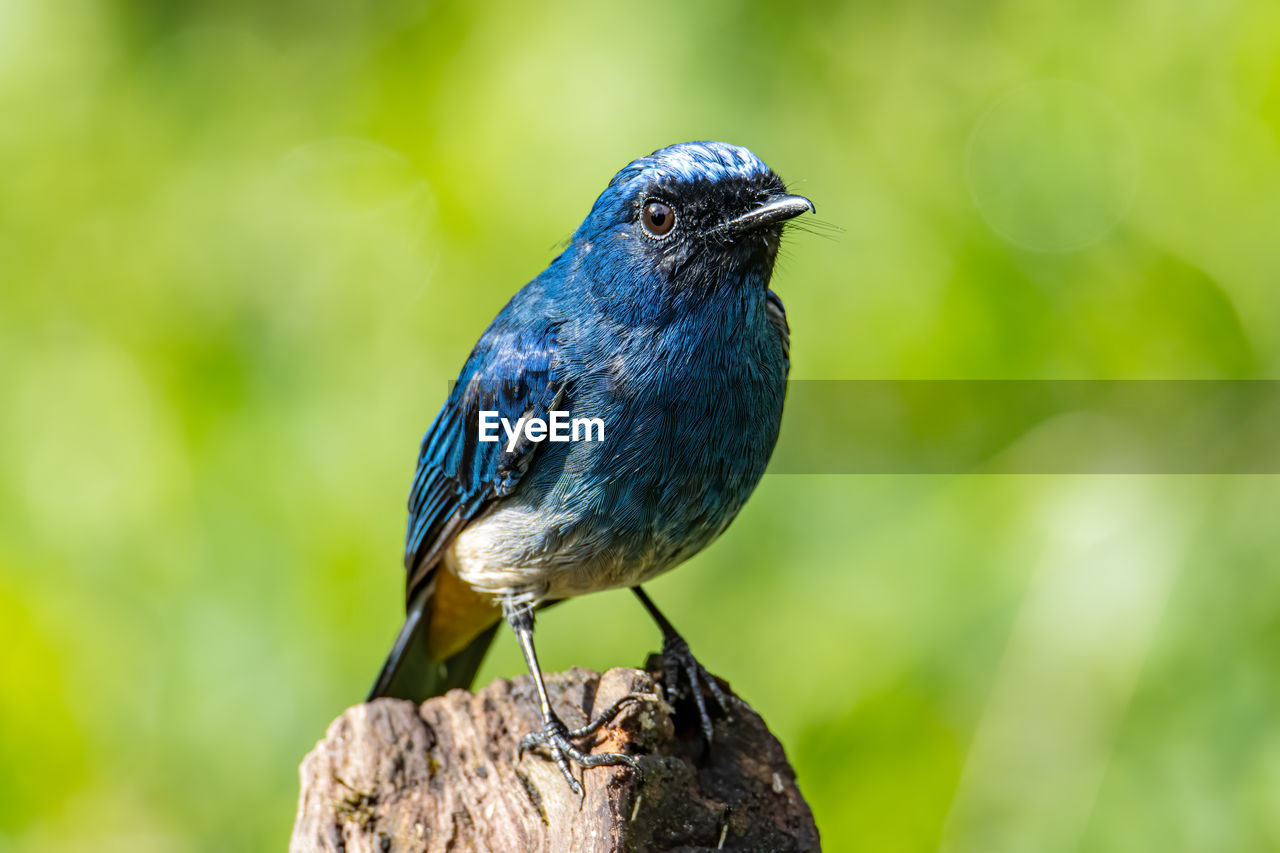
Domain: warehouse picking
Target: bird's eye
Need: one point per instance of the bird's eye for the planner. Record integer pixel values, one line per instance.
(658, 218)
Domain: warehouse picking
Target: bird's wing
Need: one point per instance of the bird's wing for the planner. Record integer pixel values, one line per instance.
(778, 319)
(511, 371)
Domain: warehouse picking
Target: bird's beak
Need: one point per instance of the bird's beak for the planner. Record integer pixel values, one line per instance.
(780, 208)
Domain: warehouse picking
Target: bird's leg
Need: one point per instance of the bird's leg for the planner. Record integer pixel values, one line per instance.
(677, 660)
(555, 736)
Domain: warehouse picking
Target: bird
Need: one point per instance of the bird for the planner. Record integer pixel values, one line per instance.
(657, 321)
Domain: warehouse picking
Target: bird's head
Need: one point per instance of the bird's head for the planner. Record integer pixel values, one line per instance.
(686, 220)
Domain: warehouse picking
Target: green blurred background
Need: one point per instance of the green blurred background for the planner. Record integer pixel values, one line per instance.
(245, 246)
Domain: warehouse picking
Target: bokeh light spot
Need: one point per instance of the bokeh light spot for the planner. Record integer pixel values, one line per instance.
(1052, 166)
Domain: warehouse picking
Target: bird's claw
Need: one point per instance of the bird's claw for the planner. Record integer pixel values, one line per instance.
(558, 740)
(678, 660)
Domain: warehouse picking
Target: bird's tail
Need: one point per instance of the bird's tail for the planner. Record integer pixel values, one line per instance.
(443, 641)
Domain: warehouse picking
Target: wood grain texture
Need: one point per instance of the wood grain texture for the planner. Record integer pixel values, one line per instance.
(391, 776)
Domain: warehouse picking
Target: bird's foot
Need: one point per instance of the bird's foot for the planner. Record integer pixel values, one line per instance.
(678, 663)
(557, 739)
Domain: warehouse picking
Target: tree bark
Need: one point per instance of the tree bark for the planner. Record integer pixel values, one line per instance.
(392, 776)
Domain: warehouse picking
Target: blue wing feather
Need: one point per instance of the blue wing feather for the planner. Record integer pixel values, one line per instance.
(513, 371)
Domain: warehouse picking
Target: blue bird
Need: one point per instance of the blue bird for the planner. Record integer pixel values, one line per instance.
(658, 321)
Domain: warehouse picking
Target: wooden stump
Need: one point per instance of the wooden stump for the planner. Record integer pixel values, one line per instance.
(391, 776)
